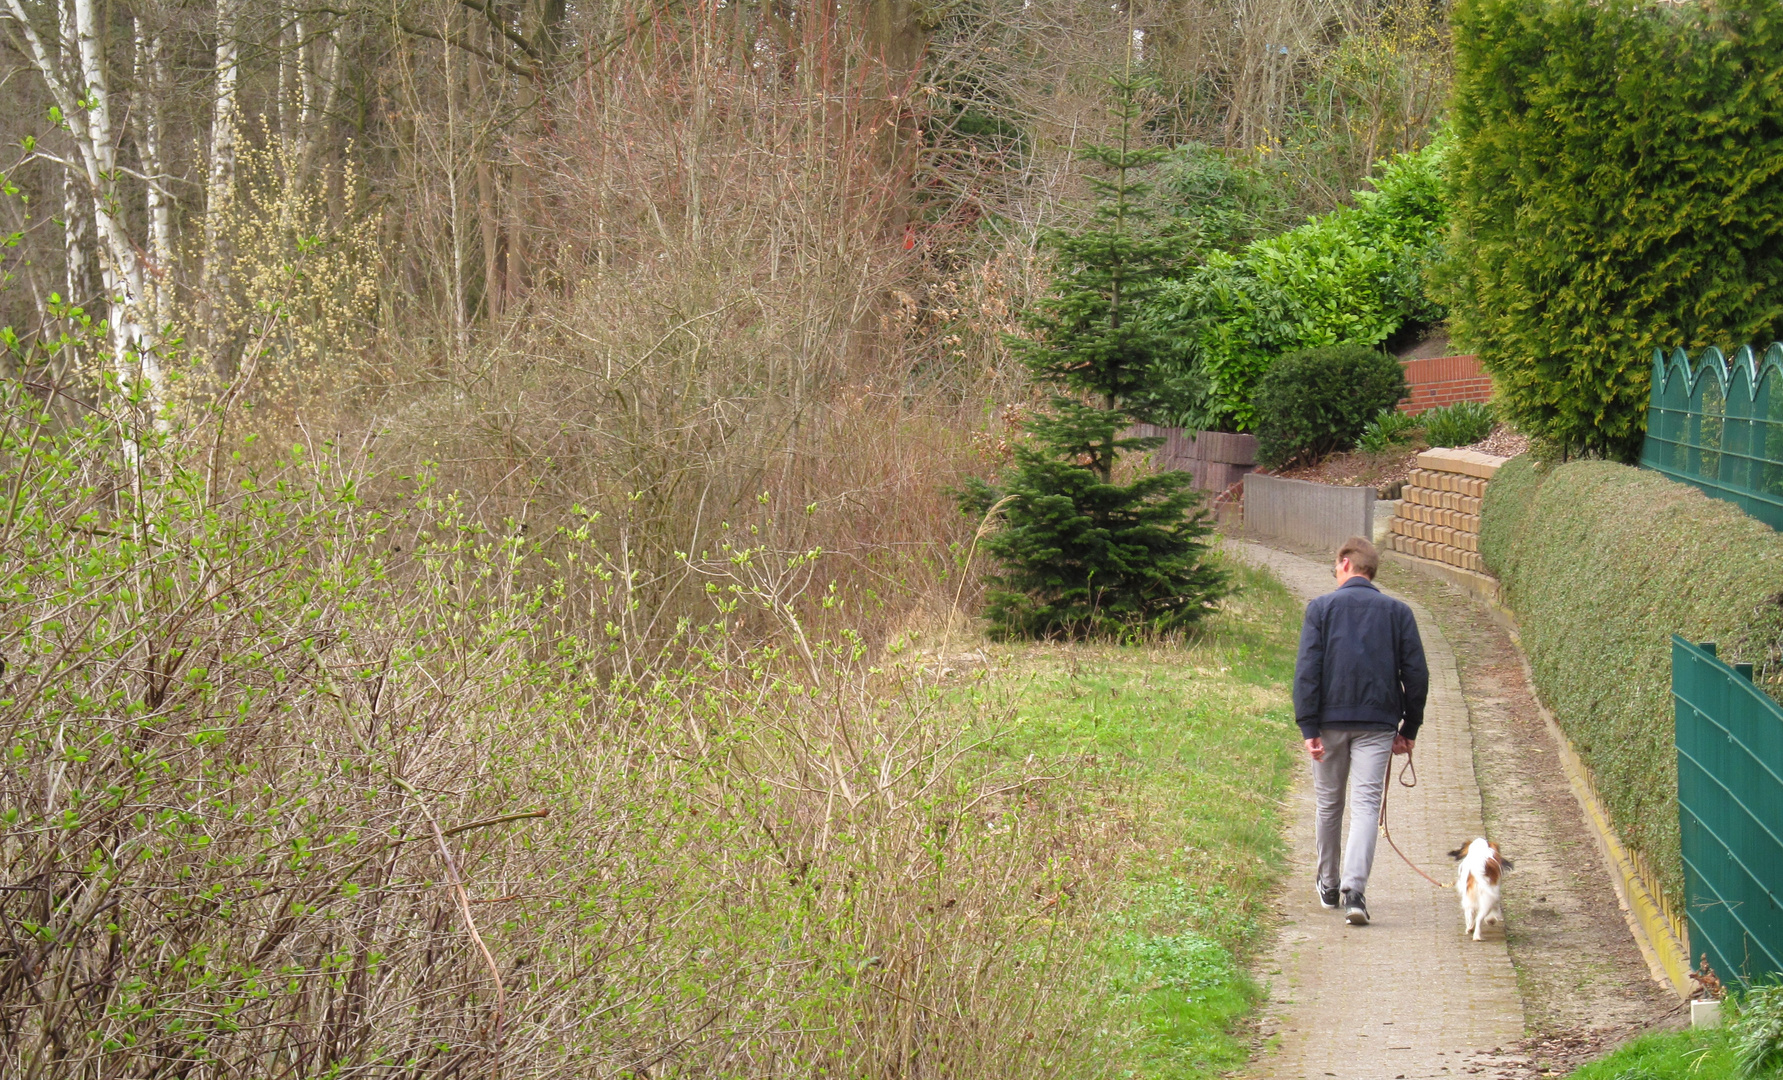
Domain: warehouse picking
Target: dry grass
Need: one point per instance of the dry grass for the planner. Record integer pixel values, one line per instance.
(541, 717)
(302, 786)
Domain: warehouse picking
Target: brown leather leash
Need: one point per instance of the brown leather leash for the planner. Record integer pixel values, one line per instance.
(1385, 788)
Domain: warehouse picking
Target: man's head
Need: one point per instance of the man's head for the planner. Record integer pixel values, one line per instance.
(1356, 558)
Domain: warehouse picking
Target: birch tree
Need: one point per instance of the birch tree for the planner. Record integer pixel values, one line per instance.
(152, 81)
(83, 97)
(219, 190)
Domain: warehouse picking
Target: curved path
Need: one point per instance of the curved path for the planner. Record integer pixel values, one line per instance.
(1409, 996)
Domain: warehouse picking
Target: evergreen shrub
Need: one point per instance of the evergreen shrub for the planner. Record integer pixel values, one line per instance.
(1317, 401)
(1601, 563)
(1460, 424)
(1388, 429)
(1081, 554)
(1353, 276)
(1617, 185)
(1219, 200)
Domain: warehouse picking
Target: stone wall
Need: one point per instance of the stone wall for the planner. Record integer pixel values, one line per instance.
(1439, 509)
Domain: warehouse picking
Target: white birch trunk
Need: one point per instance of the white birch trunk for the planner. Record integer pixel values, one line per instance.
(88, 113)
(152, 77)
(307, 97)
(77, 238)
(77, 214)
(133, 342)
(220, 192)
(77, 257)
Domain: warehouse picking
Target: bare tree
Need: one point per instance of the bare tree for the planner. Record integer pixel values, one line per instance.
(219, 191)
(80, 86)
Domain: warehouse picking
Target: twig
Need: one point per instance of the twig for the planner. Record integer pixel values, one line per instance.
(464, 905)
(543, 811)
(486, 822)
(983, 530)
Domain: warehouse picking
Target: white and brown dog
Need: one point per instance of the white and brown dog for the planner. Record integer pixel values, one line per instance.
(1476, 880)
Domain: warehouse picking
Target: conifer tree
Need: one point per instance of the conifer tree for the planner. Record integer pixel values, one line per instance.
(1081, 555)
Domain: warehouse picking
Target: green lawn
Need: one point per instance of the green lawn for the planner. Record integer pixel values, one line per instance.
(1185, 750)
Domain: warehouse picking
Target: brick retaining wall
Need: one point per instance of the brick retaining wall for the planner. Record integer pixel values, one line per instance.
(1444, 380)
(1439, 510)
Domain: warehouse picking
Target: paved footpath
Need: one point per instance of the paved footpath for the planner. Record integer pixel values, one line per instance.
(1408, 995)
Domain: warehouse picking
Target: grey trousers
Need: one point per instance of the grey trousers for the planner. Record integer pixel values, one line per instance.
(1356, 760)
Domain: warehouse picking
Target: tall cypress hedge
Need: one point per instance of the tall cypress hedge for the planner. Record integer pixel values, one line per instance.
(1617, 184)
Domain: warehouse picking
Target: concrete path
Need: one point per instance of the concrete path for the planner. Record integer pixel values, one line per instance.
(1409, 996)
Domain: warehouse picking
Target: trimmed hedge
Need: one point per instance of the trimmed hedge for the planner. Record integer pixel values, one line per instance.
(1317, 401)
(1617, 184)
(1601, 564)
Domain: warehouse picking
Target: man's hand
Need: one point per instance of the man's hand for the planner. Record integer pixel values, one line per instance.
(1402, 745)
(1316, 748)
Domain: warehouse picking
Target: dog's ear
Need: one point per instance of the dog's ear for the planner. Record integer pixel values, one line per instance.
(1458, 854)
(1506, 864)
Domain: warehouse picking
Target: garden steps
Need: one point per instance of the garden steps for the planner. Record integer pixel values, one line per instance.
(1439, 508)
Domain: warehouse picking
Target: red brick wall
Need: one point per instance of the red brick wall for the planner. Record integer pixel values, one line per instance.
(1444, 380)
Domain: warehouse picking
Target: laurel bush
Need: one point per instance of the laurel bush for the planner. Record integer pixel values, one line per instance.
(1350, 277)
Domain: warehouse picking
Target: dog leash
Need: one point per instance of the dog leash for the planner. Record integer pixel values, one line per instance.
(1385, 788)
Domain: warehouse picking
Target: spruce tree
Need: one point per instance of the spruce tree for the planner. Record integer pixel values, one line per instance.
(1081, 555)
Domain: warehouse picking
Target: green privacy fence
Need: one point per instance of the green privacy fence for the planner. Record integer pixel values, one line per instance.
(1730, 812)
(1718, 425)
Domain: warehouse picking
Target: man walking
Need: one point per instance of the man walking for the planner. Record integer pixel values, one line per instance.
(1359, 690)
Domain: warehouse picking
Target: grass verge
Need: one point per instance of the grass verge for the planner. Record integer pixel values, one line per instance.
(1674, 1055)
(1184, 752)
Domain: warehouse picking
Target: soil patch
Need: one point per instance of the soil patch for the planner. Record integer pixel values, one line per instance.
(1388, 468)
(1503, 442)
(1359, 468)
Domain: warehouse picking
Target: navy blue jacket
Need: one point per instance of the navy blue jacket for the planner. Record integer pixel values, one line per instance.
(1361, 664)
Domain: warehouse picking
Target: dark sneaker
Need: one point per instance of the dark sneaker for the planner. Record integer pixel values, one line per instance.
(1327, 897)
(1355, 909)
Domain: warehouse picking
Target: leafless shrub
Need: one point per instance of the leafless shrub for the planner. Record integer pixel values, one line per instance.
(756, 332)
(297, 786)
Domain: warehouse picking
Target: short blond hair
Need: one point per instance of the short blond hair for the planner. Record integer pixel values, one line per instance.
(1364, 559)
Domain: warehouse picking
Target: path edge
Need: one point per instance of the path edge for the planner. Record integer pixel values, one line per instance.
(1655, 929)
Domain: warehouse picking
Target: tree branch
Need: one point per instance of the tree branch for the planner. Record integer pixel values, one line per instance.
(488, 12)
(521, 70)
